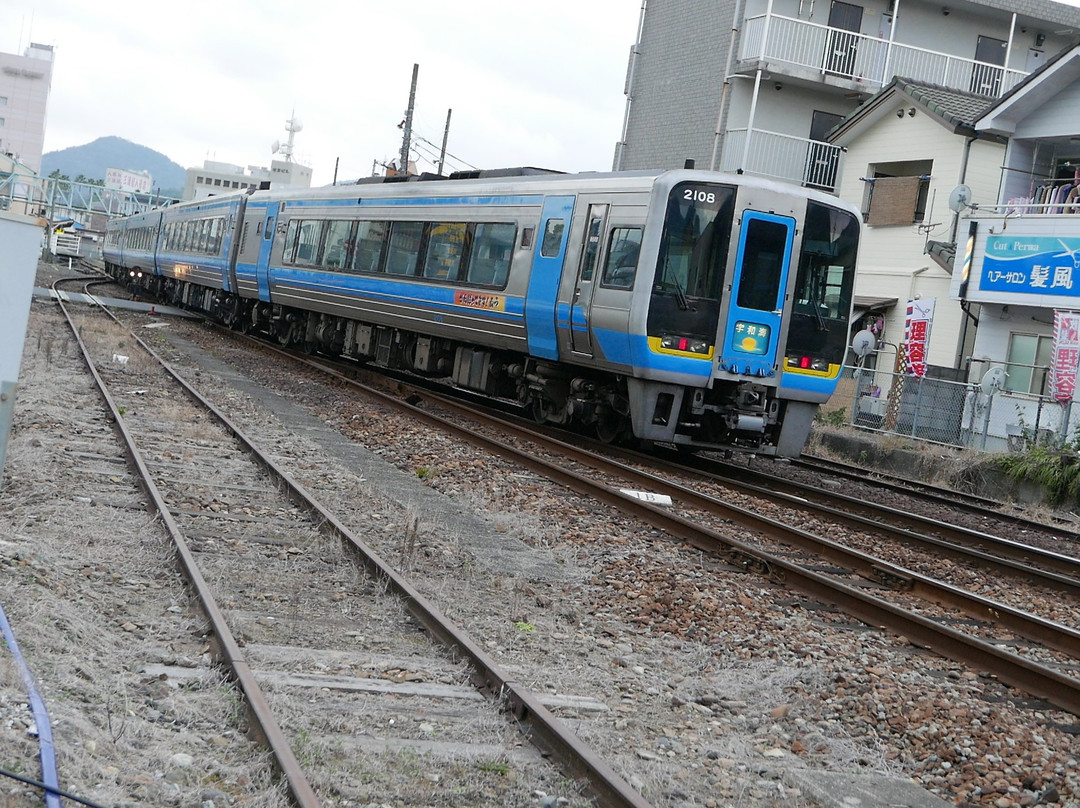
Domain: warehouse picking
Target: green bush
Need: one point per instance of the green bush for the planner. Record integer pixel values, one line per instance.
(1056, 469)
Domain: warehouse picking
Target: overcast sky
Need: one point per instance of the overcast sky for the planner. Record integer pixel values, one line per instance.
(537, 84)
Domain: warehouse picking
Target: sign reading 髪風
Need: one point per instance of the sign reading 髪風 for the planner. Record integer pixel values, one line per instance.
(1034, 265)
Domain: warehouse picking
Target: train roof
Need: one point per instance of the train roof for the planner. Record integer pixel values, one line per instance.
(502, 181)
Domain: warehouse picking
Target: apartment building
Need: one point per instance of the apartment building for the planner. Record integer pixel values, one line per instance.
(756, 85)
(24, 95)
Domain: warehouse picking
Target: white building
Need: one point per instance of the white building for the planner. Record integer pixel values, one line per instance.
(907, 149)
(24, 96)
(1023, 265)
(755, 85)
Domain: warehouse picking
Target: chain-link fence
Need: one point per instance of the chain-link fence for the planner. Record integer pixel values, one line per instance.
(988, 414)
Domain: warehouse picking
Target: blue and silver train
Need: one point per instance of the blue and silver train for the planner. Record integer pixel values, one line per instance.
(692, 308)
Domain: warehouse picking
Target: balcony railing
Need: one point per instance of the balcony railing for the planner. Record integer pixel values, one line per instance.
(783, 157)
(867, 59)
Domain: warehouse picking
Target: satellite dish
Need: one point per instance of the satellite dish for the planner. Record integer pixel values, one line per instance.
(960, 198)
(993, 380)
(275, 147)
(864, 343)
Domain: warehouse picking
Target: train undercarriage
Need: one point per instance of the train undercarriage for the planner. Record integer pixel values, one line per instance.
(550, 392)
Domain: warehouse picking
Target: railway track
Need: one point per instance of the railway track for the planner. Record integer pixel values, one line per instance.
(708, 565)
(856, 588)
(979, 507)
(273, 572)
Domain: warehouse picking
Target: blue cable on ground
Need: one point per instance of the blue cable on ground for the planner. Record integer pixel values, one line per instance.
(41, 716)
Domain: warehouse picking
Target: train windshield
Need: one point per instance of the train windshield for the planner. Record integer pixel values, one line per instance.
(817, 337)
(691, 265)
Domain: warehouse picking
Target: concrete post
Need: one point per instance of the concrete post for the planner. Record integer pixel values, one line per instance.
(20, 247)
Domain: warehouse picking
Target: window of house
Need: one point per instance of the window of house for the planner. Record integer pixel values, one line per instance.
(3, 100)
(896, 193)
(1028, 363)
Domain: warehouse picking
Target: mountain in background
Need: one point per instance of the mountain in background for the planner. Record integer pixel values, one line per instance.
(93, 159)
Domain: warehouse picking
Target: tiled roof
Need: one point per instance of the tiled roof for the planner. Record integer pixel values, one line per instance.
(958, 108)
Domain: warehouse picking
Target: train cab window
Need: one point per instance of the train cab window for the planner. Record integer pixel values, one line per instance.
(622, 257)
(370, 242)
(492, 249)
(553, 231)
(337, 253)
(447, 243)
(404, 249)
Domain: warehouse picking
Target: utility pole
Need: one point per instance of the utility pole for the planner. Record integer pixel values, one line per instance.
(445, 135)
(404, 167)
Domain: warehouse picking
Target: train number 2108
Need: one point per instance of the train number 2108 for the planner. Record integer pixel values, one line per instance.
(697, 195)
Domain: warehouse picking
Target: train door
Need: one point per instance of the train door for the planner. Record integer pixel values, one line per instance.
(759, 286)
(581, 303)
(266, 244)
(548, 258)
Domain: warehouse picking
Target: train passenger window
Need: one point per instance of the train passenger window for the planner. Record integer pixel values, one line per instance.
(492, 249)
(622, 257)
(337, 254)
(553, 231)
(526, 237)
(370, 240)
(447, 243)
(401, 258)
(307, 242)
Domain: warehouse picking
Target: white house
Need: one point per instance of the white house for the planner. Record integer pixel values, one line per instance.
(907, 149)
(1022, 265)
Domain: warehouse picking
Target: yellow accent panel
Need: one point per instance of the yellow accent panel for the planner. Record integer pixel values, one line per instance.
(654, 346)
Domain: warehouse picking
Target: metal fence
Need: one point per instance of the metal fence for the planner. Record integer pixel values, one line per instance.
(965, 414)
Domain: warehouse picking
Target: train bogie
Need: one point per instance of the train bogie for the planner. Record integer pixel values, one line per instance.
(689, 308)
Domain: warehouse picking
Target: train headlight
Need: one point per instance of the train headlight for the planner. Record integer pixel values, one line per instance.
(674, 342)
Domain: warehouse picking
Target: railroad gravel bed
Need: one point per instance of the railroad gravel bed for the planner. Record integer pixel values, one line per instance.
(719, 683)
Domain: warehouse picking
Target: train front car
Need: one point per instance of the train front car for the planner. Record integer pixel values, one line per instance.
(747, 317)
(130, 249)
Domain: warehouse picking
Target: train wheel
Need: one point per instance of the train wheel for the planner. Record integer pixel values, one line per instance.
(610, 427)
(539, 409)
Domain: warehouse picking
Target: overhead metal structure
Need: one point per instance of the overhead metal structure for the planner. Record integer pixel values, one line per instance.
(55, 199)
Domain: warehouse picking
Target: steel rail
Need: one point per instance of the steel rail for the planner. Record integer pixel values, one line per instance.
(551, 736)
(970, 503)
(229, 650)
(1055, 570)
